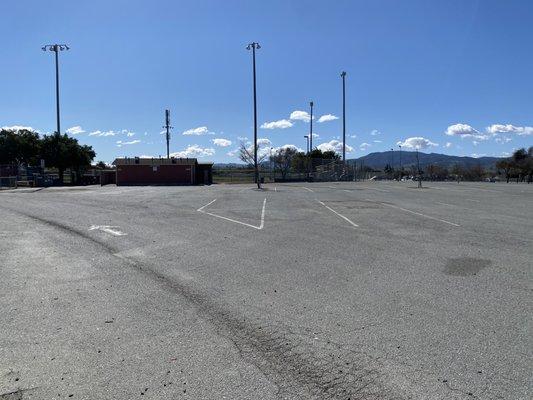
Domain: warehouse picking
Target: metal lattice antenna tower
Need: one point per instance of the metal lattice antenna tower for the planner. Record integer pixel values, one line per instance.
(168, 128)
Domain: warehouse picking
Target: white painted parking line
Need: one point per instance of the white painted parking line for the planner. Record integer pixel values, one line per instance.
(112, 230)
(445, 204)
(420, 214)
(306, 188)
(340, 215)
(208, 204)
(201, 209)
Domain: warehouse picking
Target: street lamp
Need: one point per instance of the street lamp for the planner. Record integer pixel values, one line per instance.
(343, 75)
(311, 127)
(56, 48)
(253, 46)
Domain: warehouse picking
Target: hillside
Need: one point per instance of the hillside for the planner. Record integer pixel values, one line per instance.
(380, 159)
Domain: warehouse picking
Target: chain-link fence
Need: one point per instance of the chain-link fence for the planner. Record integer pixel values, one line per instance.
(323, 170)
(8, 182)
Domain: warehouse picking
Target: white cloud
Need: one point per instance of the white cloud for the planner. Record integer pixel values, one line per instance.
(222, 142)
(417, 143)
(281, 124)
(242, 138)
(120, 143)
(263, 142)
(519, 130)
(448, 145)
(334, 145)
(233, 153)
(327, 117)
(465, 131)
(300, 116)
(194, 151)
(353, 136)
(285, 146)
(130, 134)
(75, 130)
(201, 130)
(502, 139)
(377, 141)
(364, 146)
(105, 133)
(477, 155)
(17, 128)
(375, 132)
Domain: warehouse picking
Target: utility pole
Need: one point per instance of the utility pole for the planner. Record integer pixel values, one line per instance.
(253, 46)
(56, 48)
(343, 75)
(168, 128)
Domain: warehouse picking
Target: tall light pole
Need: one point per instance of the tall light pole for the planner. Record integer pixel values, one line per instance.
(401, 167)
(311, 139)
(343, 75)
(311, 127)
(56, 48)
(307, 148)
(253, 46)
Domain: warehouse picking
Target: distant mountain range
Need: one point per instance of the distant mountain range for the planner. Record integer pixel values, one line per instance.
(380, 159)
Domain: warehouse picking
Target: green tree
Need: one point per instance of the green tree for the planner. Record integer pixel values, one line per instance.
(283, 159)
(19, 146)
(62, 152)
(505, 166)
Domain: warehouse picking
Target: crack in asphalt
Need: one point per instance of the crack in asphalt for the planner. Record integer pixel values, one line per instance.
(298, 365)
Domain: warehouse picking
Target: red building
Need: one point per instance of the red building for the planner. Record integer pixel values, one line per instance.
(162, 171)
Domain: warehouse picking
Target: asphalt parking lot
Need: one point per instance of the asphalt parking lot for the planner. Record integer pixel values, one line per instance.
(346, 290)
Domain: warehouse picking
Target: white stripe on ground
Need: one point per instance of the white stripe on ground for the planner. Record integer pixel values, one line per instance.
(475, 201)
(208, 204)
(234, 220)
(306, 188)
(340, 215)
(420, 214)
(445, 204)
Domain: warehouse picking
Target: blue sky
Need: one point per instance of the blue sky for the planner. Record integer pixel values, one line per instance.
(449, 76)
